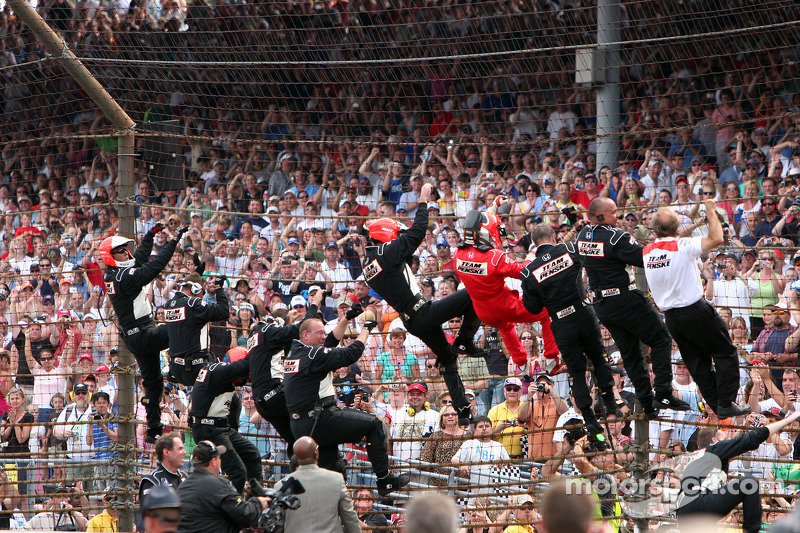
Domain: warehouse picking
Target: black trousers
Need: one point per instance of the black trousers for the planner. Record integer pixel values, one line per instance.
(274, 411)
(426, 324)
(179, 373)
(702, 339)
(578, 339)
(146, 347)
(336, 426)
(241, 461)
(630, 318)
(744, 490)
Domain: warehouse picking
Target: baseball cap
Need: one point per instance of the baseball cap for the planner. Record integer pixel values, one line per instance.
(196, 214)
(86, 356)
(246, 305)
(101, 368)
(433, 206)
(774, 411)
(298, 300)
(114, 349)
(63, 313)
(331, 244)
(80, 386)
(293, 240)
(470, 392)
(545, 376)
(402, 207)
(284, 157)
(278, 306)
(26, 285)
(579, 164)
(205, 450)
(681, 178)
(48, 298)
(522, 499)
(174, 217)
(344, 300)
(160, 497)
(363, 178)
(314, 288)
(513, 381)
(274, 198)
(272, 209)
(428, 282)
(418, 386)
(65, 280)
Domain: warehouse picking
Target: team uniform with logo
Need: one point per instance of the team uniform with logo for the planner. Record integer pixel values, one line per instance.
(674, 277)
(187, 318)
(553, 278)
(483, 275)
(629, 317)
(127, 289)
(266, 348)
(210, 418)
(311, 401)
(388, 273)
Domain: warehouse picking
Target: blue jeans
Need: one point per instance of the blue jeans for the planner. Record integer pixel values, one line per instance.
(492, 394)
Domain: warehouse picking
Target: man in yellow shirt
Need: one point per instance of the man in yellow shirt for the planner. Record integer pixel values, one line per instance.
(504, 418)
(107, 520)
(524, 514)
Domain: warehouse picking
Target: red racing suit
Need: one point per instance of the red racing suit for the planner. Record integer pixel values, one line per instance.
(484, 276)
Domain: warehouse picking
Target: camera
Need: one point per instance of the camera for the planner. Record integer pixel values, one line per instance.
(572, 215)
(541, 387)
(98, 416)
(704, 174)
(768, 241)
(512, 422)
(273, 518)
(490, 175)
(364, 397)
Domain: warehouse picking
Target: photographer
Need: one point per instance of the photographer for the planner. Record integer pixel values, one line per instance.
(209, 502)
(101, 436)
(59, 514)
(541, 411)
(731, 290)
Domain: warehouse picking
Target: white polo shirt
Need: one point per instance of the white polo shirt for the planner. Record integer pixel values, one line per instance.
(670, 265)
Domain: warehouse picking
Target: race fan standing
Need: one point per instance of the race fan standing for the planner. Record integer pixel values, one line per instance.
(127, 278)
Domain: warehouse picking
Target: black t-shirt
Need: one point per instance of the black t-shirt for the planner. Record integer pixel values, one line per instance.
(14, 446)
(24, 376)
(346, 386)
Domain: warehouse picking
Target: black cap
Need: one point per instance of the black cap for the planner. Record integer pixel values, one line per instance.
(160, 497)
(205, 450)
(80, 386)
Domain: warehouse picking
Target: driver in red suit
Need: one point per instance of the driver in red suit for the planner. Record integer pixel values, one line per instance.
(484, 267)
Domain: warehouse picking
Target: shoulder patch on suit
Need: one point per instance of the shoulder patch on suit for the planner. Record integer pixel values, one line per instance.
(616, 235)
(201, 377)
(372, 269)
(131, 271)
(110, 288)
(291, 366)
(570, 246)
(252, 342)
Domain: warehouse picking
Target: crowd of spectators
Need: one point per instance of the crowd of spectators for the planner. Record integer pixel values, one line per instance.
(279, 179)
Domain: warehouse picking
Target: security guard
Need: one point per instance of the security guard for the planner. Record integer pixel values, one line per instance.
(186, 315)
(310, 398)
(388, 274)
(605, 251)
(209, 502)
(553, 279)
(127, 279)
(212, 403)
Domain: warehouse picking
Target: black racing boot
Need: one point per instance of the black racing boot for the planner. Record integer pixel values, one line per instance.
(389, 483)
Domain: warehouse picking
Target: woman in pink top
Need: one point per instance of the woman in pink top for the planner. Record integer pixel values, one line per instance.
(723, 119)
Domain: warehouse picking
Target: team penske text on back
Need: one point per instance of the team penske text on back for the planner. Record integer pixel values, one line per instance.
(475, 268)
(553, 267)
(591, 249)
(658, 261)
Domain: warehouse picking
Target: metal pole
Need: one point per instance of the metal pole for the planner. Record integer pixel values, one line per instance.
(641, 461)
(608, 95)
(123, 124)
(126, 381)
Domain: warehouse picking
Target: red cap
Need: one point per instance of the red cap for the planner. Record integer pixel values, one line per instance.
(86, 356)
(101, 368)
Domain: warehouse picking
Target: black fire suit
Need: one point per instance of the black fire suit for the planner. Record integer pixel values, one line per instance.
(553, 279)
(388, 273)
(185, 317)
(210, 503)
(159, 476)
(624, 310)
(267, 346)
(311, 401)
(209, 418)
(722, 500)
(127, 290)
